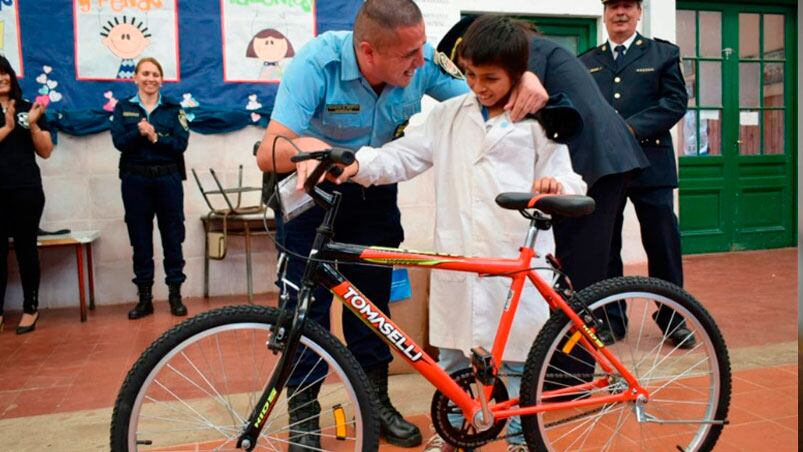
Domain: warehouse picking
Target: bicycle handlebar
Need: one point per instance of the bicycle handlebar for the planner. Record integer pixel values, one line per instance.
(328, 159)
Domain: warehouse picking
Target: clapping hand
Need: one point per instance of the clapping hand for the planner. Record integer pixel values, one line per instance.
(146, 130)
(11, 114)
(36, 112)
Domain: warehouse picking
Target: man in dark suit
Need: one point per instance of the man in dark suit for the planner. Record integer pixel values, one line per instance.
(642, 80)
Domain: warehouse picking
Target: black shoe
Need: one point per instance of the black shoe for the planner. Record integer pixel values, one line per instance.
(145, 305)
(304, 411)
(177, 308)
(393, 427)
(682, 338)
(29, 328)
(609, 334)
(606, 336)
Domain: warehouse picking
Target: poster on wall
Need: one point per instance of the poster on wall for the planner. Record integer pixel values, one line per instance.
(111, 36)
(261, 38)
(10, 34)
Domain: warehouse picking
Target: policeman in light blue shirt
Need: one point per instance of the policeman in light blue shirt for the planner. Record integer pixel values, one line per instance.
(324, 95)
(353, 89)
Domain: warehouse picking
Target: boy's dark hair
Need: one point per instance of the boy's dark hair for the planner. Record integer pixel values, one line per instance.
(15, 92)
(498, 41)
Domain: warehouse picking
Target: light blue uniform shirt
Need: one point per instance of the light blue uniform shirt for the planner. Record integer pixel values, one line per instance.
(324, 95)
(138, 101)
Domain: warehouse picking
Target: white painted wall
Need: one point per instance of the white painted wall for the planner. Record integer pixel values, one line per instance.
(83, 191)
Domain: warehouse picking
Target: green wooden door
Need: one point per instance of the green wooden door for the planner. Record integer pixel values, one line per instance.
(577, 35)
(738, 141)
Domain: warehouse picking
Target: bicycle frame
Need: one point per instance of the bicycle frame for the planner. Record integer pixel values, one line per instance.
(518, 270)
(319, 271)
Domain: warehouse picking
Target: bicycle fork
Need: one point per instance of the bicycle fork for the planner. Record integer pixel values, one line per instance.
(277, 383)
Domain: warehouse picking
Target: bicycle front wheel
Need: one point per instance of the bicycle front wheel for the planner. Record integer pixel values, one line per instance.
(687, 376)
(195, 387)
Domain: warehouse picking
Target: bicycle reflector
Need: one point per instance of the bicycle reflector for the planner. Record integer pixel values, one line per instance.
(340, 421)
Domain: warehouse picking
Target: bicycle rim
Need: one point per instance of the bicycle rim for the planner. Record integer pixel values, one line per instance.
(688, 387)
(200, 394)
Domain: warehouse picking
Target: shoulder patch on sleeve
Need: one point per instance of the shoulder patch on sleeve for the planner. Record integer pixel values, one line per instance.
(447, 65)
(182, 119)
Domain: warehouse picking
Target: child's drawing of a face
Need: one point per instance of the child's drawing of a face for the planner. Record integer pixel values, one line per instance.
(270, 49)
(270, 46)
(126, 38)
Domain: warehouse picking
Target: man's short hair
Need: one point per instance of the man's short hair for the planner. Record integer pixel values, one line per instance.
(493, 40)
(377, 17)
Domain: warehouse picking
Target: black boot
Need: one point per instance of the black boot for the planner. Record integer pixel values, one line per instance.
(393, 427)
(177, 308)
(145, 305)
(305, 412)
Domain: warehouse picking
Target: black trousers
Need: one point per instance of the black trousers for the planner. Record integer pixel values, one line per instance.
(20, 212)
(660, 236)
(362, 222)
(583, 245)
(162, 196)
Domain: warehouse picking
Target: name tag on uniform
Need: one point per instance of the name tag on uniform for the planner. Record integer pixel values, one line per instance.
(130, 114)
(343, 108)
(595, 69)
(645, 69)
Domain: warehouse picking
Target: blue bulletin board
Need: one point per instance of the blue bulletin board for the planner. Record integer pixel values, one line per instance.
(222, 59)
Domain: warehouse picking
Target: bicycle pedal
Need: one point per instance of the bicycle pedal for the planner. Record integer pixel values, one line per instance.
(483, 363)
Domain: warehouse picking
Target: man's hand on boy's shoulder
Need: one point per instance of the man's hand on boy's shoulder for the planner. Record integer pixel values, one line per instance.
(528, 96)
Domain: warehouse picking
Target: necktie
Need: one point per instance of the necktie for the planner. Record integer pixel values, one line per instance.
(620, 54)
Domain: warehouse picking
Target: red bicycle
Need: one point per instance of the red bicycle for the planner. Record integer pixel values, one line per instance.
(222, 380)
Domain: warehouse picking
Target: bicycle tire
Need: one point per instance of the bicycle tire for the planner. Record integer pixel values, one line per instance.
(174, 384)
(684, 384)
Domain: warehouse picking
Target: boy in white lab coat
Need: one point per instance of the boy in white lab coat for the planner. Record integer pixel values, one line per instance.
(476, 153)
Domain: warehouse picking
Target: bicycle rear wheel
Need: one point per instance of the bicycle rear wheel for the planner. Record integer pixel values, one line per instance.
(195, 387)
(689, 385)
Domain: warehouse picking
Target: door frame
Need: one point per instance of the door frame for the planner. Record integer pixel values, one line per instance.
(732, 162)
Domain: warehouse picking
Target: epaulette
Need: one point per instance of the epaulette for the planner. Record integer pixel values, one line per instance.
(589, 50)
(664, 41)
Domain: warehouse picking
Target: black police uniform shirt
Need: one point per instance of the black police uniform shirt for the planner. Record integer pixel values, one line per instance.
(171, 126)
(18, 166)
(647, 89)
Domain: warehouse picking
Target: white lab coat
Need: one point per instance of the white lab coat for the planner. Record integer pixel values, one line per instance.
(472, 167)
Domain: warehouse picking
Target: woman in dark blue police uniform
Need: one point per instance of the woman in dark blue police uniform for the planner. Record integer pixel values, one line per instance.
(23, 135)
(151, 133)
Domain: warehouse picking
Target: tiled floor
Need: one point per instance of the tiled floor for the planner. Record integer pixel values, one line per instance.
(69, 367)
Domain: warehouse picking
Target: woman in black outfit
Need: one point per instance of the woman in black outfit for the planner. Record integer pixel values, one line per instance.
(23, 134)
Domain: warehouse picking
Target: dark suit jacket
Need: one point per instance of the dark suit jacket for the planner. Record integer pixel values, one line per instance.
(605, 146)
(648, 91)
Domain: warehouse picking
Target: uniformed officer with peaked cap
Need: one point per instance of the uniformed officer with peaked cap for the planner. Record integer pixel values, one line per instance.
(641, 78)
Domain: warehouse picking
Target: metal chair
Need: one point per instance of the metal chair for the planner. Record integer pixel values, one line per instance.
(235, 219)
